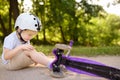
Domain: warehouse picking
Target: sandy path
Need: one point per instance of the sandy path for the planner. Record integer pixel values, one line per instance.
(42, 73)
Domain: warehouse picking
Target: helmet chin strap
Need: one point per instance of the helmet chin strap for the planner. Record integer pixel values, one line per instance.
(19, 33)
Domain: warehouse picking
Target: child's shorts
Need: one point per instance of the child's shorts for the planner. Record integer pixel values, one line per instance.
(18, 62)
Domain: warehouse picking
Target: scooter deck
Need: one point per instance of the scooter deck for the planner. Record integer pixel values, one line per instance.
(92, 69)
(84, 66)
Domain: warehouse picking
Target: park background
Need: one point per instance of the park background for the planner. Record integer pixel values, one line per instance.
(93, 30)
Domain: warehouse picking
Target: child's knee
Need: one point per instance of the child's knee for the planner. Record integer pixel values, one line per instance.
(27, 53)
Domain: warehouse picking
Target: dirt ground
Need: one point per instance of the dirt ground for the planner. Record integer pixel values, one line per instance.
(42, 73)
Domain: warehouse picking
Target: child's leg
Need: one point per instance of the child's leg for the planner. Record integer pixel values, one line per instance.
(44, 60)
(19, 61)
(39, 57)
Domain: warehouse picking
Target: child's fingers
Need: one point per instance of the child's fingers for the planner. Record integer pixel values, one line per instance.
(27, 47)
(30, 47)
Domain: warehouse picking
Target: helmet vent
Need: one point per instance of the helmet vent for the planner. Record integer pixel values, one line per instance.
(38, 26)
(35, 25)
(34, 18)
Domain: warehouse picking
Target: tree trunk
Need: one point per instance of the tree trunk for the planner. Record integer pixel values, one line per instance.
(10, 19)
(62, 34)
(3, 29)
(14, 8)
(43, 18)
(13, 13)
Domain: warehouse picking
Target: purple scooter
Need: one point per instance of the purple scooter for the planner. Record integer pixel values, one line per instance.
(81, 65)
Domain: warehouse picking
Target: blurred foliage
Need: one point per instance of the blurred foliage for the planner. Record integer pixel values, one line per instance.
(62, 20)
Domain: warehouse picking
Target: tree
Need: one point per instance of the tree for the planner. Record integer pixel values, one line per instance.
(4, 18)
(11, 8)
(13, 12)
(63, 20)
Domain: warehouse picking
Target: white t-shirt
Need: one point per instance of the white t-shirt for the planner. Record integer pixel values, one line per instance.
(10, 42)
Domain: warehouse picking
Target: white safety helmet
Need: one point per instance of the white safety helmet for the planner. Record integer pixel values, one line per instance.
(28, 21)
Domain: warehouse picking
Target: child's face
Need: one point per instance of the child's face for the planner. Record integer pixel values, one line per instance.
(28, 34)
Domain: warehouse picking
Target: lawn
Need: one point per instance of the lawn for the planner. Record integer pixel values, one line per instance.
(84, 51)
(81, 51)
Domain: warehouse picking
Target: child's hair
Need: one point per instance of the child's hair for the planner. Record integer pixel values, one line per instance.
(28, 21)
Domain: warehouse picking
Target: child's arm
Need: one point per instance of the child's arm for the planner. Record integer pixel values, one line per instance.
(8, 54)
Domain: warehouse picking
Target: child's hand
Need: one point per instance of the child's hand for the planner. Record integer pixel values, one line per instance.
(26, 47)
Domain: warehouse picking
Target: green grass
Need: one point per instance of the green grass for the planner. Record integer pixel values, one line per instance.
(0, 49)
(47, 49)
(84, 51)
(81, 51)
(95, 51)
